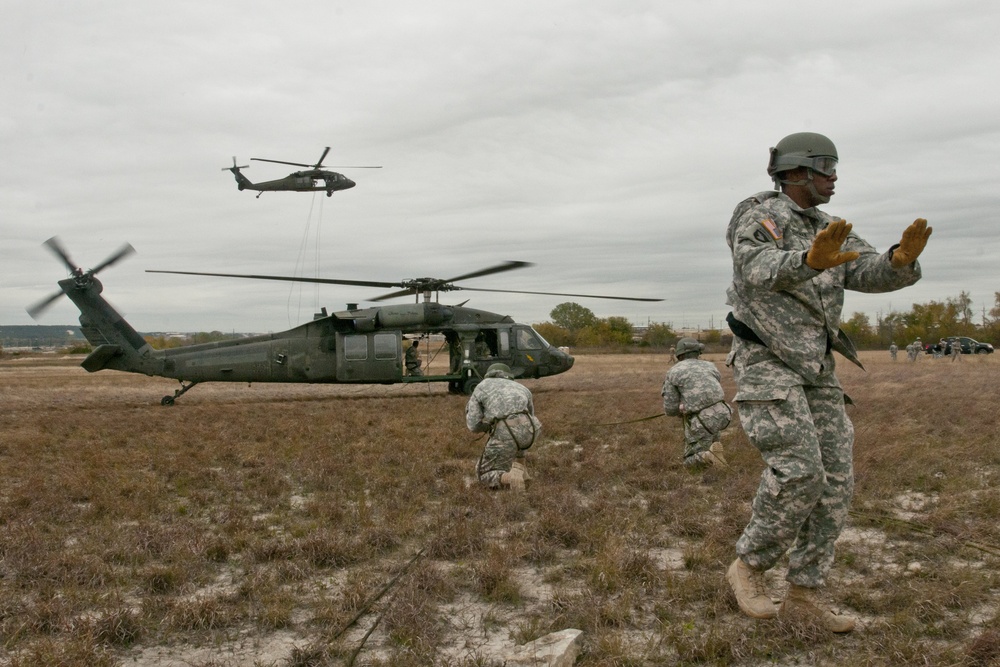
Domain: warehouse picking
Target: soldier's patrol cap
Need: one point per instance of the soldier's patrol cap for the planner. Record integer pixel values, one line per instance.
(498, 371)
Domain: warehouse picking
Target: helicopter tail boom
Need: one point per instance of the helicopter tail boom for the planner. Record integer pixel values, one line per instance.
(117, 345)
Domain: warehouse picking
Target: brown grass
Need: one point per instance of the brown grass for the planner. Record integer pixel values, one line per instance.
(251, 525)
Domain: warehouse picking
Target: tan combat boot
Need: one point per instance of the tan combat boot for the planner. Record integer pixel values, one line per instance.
(750, 589)
(801, 600)
(520, 465)
(513, 479)
(714, 455)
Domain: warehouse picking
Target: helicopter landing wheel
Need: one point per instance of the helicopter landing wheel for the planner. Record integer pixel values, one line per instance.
(169, 400)
(470, 385)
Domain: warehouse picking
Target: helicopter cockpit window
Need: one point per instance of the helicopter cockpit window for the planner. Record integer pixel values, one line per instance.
(355, 348)
(528, 340)
(386, 346)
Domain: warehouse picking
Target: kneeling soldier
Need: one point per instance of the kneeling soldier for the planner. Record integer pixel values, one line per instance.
(504, 409)
(692, 390)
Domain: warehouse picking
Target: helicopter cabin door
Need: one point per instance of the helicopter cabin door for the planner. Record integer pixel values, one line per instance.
(375, 356)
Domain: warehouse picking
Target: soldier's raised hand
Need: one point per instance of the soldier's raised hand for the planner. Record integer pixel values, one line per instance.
(825, 252)
(912, 244)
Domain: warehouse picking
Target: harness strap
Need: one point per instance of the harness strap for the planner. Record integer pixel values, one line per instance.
(697, 416)
(513, 437)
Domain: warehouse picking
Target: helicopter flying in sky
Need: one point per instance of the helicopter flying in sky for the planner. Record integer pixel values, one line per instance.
(307, 180)
(355, 345)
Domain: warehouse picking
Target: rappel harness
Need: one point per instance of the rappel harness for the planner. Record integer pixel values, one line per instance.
(697, 416)
(516, 415)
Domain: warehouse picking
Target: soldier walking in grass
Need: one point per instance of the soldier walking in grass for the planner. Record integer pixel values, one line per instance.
(956, 350)
(893, 350)
(504, 409)
(692, 390)
(791, 265)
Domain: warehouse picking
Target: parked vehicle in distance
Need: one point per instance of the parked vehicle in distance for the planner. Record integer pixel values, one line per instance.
(969, 346)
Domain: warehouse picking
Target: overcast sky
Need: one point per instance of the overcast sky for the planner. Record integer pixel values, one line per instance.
(606, 142)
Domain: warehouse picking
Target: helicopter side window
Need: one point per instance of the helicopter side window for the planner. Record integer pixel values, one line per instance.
(486, 344)
(504, 343)
(527, 340)
(355, 348)
(386, 346)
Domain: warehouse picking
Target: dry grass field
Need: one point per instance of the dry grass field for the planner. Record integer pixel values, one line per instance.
(295, 525)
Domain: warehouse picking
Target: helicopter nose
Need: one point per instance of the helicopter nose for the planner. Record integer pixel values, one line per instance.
(348, 184)
(565, 359)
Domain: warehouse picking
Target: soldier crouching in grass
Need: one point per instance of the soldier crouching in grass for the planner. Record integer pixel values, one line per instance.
(791, 265)
(504, 409)
(692, 390)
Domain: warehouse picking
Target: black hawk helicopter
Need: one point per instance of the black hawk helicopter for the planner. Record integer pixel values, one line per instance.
(355, 345)
(308, 180)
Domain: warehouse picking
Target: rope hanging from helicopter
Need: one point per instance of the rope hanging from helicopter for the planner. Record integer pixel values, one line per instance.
(302, 259)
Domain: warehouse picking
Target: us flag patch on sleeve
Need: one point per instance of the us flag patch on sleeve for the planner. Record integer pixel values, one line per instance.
(771, 228)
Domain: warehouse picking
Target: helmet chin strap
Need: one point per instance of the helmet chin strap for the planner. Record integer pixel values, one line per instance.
(810, 185)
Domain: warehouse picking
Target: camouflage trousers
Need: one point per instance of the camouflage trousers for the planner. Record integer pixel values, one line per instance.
(704, 428)
(805, 491)
(509, 440)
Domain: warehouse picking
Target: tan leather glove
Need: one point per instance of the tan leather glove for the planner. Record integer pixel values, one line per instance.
(825, 251)
(912, 244)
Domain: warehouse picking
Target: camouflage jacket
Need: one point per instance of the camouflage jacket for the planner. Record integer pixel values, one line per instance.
(693, 383)
(795, 310)
(495, 399)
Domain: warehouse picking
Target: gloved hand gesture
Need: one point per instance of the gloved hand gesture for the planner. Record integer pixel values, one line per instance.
(912, 244)
(825, 251)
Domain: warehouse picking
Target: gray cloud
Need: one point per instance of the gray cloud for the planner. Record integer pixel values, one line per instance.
(606, 143)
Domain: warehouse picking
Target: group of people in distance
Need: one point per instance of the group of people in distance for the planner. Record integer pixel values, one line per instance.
(792, 263)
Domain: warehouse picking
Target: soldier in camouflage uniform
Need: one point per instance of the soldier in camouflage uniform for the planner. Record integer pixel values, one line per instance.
(504, 409)
(893, 349)
(791, 265)
(692, 390)
(412, 361)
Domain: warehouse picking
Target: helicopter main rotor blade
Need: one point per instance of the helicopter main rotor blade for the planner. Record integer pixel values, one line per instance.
(321, 158)
(590, 296)
(294, 164)
(509, 265)
(323, 281)
(55, 246)
(435, 285)
(392, 295)
(122, 253)
(37, 309)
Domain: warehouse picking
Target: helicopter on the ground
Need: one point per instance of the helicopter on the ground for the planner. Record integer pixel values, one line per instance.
(355, 345)
(308, 180)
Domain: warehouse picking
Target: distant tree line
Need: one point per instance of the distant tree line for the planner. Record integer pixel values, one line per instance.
(574, 325)
(928, 321)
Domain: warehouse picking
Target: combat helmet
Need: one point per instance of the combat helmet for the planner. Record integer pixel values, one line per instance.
(688, 346)
(803, 149)
(498, 370)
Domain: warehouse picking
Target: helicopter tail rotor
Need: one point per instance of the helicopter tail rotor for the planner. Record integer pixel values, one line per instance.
(82, 279)
(235, 167)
